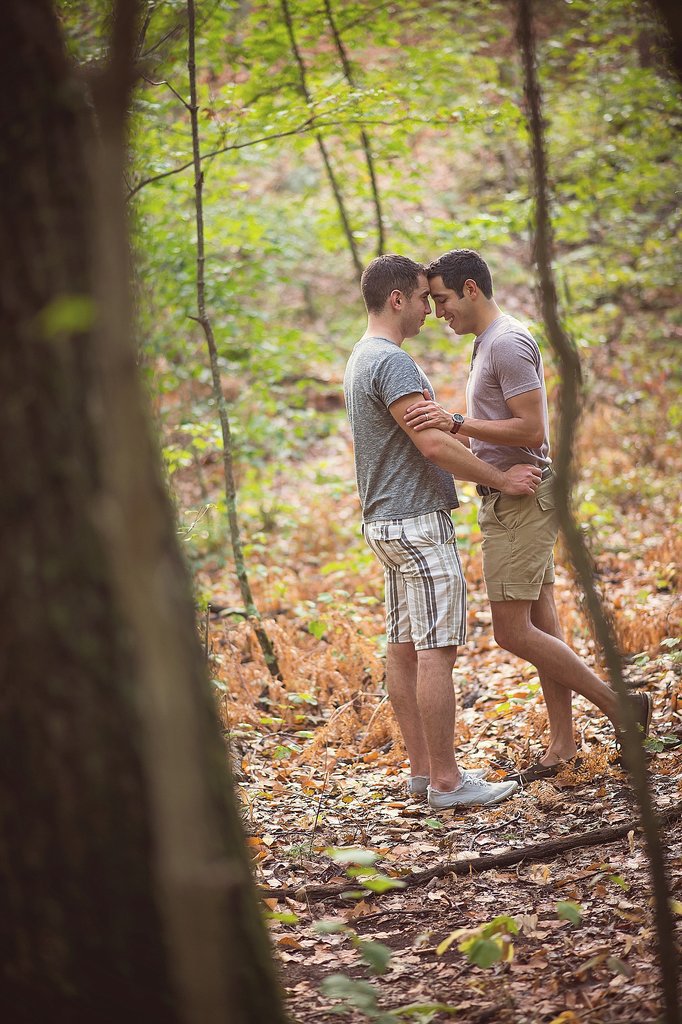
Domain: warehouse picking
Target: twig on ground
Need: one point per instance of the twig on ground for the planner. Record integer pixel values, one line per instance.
(319, 802)
(372, 717)
(495, 827)
(538, 851)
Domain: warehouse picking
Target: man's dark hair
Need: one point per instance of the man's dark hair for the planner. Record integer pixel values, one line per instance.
(460, 265)
(386, 273)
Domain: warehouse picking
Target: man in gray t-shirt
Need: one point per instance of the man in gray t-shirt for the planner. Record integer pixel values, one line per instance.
(406, 492)
(394, 479)
(507, 423)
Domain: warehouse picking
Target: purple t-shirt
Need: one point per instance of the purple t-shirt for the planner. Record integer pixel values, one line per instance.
(505, 362)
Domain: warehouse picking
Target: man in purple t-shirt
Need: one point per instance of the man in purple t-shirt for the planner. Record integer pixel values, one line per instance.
(507, 423)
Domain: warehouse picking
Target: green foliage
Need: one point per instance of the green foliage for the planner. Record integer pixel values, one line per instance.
(352, 855)
(363, 996)
(486, 945)
(375, 954)
(444, 112)
(568, 911)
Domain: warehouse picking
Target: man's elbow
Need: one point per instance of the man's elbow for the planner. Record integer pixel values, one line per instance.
(432, 445)
(533, 436)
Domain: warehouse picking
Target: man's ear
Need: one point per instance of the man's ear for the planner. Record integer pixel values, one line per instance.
(396, 298)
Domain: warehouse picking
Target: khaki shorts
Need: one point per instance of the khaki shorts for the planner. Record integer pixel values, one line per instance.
(425, 588)
(519, 534)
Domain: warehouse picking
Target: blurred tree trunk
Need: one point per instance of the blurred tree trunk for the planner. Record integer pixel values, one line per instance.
(570, 403)
(670, 15)
(126, 885)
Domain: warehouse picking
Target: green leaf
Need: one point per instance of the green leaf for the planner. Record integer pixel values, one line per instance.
(501, 924)
(318, 628)
(569, 911)
(329, 926)
(375, 954)
(283, 916)
(351, 855)
(302, 698)
(421, 1009)
(619, 966)
(280, 753)
(68, 314)
(353, 894)
(483, 952)
(443, 946)
(361, 994)
(382, 883)
(659, 743)
(433, 823)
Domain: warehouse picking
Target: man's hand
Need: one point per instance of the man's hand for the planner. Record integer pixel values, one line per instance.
(521, 479)
(423, 415)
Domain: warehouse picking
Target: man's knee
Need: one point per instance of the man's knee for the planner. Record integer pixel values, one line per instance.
(543, 613)
(509, 634)
(402, 653)
(438, 655)
(504, 637)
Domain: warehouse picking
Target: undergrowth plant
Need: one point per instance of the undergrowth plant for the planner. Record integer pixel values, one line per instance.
(358, 994)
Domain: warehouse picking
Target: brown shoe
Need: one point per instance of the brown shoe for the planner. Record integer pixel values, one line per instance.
(643, 709)
(543, 771)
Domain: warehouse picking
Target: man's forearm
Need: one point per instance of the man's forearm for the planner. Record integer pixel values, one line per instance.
(448, 454)
(513, 432)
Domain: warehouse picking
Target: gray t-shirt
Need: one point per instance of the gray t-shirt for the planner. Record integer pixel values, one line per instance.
(506, 361)
(395, 481)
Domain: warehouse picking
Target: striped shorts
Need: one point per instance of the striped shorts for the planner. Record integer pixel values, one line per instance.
(425, 587)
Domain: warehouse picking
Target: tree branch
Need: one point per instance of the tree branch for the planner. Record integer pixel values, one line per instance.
(335, 187)
(580, 556)
(219, 398)
(310, 124)
(347, 70)
(477, 865)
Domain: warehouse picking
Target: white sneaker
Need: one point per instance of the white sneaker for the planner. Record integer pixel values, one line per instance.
(471, 790)
(418, 785)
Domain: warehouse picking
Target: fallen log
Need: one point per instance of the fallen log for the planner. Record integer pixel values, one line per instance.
(476, 865)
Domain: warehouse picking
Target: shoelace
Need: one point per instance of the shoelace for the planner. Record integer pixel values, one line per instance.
(473, 781)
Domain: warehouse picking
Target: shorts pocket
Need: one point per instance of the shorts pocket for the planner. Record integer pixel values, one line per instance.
(497, 513)
(546, 500)
(430, 530)
(383, 531)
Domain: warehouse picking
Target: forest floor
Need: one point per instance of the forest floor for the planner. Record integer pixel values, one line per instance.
(320, 766)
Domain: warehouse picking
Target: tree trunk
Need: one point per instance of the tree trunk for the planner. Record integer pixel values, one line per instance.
(127, 892)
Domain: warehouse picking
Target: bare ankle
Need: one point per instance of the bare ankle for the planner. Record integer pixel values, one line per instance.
(560, 752)
(447, 782)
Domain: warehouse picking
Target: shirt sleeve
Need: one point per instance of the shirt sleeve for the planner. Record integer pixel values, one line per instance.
(395, 376)
(517, 364)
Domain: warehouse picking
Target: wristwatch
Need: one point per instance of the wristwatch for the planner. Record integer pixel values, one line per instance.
(457, 421)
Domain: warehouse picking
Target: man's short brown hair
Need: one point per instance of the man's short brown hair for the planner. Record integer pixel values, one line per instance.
(460, 265)
(385, 274)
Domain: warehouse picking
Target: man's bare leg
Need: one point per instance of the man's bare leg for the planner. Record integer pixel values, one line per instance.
(554, 660)
(436, 702)
(401, 684)
(562, 747)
